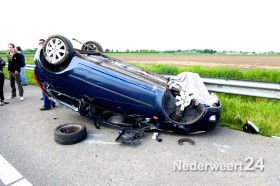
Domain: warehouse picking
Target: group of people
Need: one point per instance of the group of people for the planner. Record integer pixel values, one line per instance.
(16, 68)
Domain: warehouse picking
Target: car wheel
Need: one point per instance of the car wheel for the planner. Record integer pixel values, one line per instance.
(58, 50)
(92, 45)
(68, 134)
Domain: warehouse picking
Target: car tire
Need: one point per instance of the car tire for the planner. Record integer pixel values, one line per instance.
(58, 50)
(68, 134)
(93, 44)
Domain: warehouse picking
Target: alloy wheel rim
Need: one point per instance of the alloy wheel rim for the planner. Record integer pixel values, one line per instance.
(55, 50)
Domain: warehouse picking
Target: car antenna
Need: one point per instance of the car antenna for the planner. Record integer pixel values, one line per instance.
(91, 47)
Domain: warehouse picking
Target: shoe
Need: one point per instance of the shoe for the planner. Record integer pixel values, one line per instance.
(6, 102)
(24, 84)
(21, 98)
(44, 108)
(53, 104)
(11, 97)
(41, 99)
(1, 103)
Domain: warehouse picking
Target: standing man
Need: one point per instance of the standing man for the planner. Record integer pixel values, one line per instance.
(2, 79)
(47, 102)
(14, 64)
(22, 67)
(37, 54)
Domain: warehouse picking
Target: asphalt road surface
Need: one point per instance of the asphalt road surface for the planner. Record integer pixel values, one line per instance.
(27, 145)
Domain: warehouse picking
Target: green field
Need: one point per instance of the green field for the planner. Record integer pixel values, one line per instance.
(29, 56)
(236, 109)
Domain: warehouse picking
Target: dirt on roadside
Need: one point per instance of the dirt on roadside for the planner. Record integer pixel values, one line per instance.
(267, 62)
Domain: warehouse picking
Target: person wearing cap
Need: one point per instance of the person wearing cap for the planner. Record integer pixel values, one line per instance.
(48, 104)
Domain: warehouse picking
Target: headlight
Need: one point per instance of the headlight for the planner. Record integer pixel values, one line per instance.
(212, 118)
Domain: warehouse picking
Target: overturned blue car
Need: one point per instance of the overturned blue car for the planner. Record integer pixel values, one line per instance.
(114, 93)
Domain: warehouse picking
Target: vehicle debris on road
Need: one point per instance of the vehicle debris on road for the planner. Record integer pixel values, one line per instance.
(183, 140)
(250, 127)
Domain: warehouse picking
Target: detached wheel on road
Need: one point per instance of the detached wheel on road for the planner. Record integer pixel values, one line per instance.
(68, 134)
(58, 50)
(92, 45)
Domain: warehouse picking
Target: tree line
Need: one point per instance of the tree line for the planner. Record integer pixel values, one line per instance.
(206, 51)
(191, 51)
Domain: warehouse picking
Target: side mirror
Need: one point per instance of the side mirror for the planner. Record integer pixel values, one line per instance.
(250, 127)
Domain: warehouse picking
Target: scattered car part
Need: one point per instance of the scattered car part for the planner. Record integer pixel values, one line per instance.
(155, 135)
(250, 127)
(130, 136)
(182, 140)
(68, 134)
(159, 139)
(100, 87)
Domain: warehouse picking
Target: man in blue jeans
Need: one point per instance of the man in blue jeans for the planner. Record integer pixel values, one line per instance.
(48, 104)
(22, 68)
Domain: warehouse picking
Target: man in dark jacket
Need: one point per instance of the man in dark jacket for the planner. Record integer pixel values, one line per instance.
(14, 71)
(2, 79)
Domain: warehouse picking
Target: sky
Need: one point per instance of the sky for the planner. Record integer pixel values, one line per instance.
(238, 25)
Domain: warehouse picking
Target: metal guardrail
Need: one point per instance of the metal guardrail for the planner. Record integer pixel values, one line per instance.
(232, 86)
(29, 67)
(242, 87)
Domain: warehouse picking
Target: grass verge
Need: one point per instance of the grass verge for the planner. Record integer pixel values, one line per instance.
(28, 73)
(217, 72)
(261, 111)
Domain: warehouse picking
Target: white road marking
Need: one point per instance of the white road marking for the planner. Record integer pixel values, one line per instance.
(8, 174)
(23, 182)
